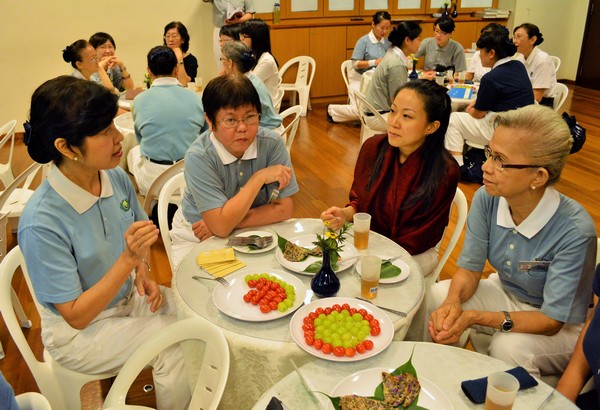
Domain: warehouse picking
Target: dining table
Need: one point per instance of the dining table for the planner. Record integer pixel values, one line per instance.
(260, 350)
(124, 124)
(440, 370)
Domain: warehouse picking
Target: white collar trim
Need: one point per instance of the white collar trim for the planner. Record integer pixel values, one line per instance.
(162, 81)
(80, 199)
(502, 61)
(536, 220)
(400, 53)
(227, 157)
(374, 39)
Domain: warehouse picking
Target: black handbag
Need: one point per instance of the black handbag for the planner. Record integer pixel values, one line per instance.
(577, 132)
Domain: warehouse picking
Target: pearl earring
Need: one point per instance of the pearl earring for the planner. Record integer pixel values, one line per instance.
(532, 187)
(75, 159)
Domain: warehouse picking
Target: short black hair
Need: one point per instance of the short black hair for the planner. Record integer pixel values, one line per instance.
(96, 40)
(161, 61)
(182, 30)
(70, 108)
(72, 53)
(231, 30)
(497, 39)
(445, 23)
(228, 91)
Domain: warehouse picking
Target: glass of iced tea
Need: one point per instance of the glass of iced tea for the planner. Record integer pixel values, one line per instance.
(501, 391)
(370, 268)
(362, 227)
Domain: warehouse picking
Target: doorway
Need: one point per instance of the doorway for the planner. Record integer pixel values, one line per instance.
(588, 73)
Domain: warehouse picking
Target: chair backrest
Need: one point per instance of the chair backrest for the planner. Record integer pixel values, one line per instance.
(278, 99)
(556, 61)
(306, 70)
(213, 372)
(156, 187)
(363, 107)
(58, 384)
(289, 131)
(8, 130)
(460, 203)
(346, 67)
(365, 81)
(561, 92)
(171, 189)
(32, 401)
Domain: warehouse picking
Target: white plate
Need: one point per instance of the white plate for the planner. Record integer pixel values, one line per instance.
(229, 299)
(348, 255)
(246, 249)
(405, 270)
(381, 342)
(363, 383)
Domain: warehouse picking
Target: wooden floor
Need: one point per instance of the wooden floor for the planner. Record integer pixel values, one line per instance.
(323, 155)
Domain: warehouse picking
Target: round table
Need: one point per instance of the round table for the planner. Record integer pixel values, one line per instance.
(124, 124)
(444, 366)
(260, 351)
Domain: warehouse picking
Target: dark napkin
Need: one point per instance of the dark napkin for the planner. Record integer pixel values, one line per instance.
(475, 389)
(275, 404)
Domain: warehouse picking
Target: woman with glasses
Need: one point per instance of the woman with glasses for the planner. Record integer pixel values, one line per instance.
(86, 241)
(227, 13)
(539, 65)
(541, 243)
(392, 72)
(239, 59)
(84, 60)
(232, 170)
(367, 55)
(105, 47)
(406, 179)
(505, 87)
(441, 49)
(176, 37)
(255, 34)
(229, 33)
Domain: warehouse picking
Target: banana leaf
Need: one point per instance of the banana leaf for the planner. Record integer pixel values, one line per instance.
(389, 270)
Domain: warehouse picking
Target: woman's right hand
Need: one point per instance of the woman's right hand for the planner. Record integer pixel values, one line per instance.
(138, 239)
(335, 216)
(276, 173)
(428, 75)
(107, 62)
(443, 319)
(178, 53)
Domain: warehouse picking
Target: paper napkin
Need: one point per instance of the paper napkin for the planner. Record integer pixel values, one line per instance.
(219, 262)
(475, 389)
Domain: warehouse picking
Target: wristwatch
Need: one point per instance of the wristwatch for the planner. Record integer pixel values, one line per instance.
(507, 324)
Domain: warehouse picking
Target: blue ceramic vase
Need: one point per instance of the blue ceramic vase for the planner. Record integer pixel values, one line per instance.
(325, 283)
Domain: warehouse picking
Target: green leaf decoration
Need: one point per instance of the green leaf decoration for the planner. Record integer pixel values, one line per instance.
(281, 241)
(316, 266)
(334, 400)
(389, 270)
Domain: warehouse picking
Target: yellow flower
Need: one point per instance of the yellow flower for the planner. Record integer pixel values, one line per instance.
(326, 223)
(331, 234)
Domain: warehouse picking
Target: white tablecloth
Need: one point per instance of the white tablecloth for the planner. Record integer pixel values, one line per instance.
(445, 366)
(124, 124)
(260, 351)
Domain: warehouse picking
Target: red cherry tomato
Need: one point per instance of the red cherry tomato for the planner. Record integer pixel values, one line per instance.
(363, 312)
(319, 311)
(368, 344)
(368, 317)
(251, 283)
(346, 306)
(310, 340)
(327, 348)
(265, 308)
(312, 315)
(350, 351)
(337, 308)
(318, 344)
(262, 281)
(273, 305)
(328, 310)
(308, 326)
(277, 300)
(375, 331)
(339, 351)
(255, 300)
(360, 348)
(353, 311)
(253, 292)
(247, 298)
(373, 322)
(308, 320)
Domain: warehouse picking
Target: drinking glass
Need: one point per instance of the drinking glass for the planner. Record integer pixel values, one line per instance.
(501, 391)
(362, 226)
(461, 77)
(370, 269)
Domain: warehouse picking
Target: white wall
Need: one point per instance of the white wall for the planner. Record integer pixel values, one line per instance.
(34, 34)
(562, 23)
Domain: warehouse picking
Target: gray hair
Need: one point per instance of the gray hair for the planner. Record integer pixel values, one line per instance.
(241, 55)
(545, 136)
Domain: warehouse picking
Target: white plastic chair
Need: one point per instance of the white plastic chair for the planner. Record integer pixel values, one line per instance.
(171, 192)
(58, 384)
(213, 373)
(289, 131)
(154, 190)
(556, 61)
(304, 78)
(8, 130)
(32, 401)
(278, 99)
(363, 107)
(124, 124)
(560, 94)
(460, 203)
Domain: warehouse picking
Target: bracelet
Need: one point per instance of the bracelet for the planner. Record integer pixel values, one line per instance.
(147, 264)
(125, 78)
(181, 62)
(372, 63)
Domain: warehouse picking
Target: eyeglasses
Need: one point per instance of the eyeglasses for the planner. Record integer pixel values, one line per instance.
(500, 166)
(172, 36)
(243, 36)
(440, 32)
(250, 119)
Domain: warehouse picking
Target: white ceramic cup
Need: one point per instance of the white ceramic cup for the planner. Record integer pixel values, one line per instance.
(440, 79)
(501, 391)
(362, 226)
(370, 269)
(461, 77)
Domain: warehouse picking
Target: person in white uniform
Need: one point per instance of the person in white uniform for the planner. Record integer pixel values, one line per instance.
(86, 241)
(225, 13)
(540, 66)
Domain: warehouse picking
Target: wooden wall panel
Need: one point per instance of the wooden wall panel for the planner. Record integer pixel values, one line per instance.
(287, 44)
(328, 48)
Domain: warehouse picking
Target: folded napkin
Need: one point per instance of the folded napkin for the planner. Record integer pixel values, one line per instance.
(475, 389)
(275, 404)
(219, 262)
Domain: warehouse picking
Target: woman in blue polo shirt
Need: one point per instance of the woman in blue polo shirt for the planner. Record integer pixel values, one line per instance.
(83, 234)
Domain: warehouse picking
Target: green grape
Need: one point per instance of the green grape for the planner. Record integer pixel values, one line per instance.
(357, 317)
(345, 313)
(281, 307)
